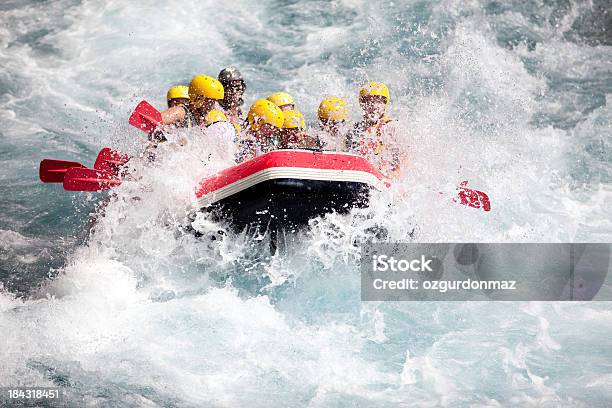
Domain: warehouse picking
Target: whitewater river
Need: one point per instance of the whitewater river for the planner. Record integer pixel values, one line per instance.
(514, 96)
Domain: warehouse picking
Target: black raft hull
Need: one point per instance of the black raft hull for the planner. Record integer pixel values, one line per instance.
(289, 202)
(287, 188)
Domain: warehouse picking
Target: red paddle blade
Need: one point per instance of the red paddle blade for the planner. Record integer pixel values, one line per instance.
(84, 179)
(473, 198)
(145, 117)
(52, 171)
(109, 161)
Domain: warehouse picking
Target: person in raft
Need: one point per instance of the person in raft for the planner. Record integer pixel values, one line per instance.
(234, 87)
(293, 133)
(205, 94)
(283, 100)
(375, 136)
(262, 134)
(176, 97)
(333, 123)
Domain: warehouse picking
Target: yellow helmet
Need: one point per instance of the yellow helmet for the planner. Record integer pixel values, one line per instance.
(333, 108)
(203, 86)
(264, 111)
(178, 92)
(294, 120)
(214, 116)
(281, 99)
(375, 89)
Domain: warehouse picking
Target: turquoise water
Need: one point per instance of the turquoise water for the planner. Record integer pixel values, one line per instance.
(513, 96)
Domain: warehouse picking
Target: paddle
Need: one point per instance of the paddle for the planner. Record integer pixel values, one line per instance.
(145, 117)
(84, 179)
(473, 198)
(109, 161)
(53, 171)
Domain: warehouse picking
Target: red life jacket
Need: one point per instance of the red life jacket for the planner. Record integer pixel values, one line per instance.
(370, 142)
(372, 147)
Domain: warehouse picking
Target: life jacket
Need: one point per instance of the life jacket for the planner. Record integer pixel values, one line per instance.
(250, 145)
(189, 121)
(371, 146)
(366, 140)
(300, 140)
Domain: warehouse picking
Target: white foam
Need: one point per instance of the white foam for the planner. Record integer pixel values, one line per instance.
(143, 307)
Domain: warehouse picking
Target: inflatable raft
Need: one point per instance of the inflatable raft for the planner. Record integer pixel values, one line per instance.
(288, 188)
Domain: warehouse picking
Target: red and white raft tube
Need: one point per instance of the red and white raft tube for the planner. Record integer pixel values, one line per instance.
(289, 187)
